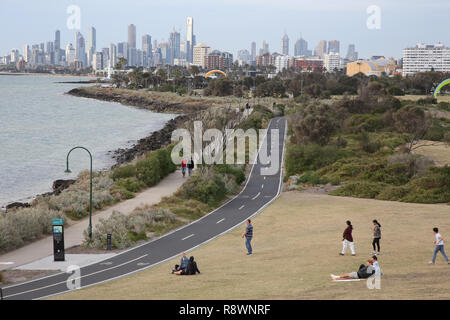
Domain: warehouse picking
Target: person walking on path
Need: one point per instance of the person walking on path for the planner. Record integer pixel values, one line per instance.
(376, 237)
(190, 166)
(347, 240)
(248, 234)
(439, 246)
(183, 167)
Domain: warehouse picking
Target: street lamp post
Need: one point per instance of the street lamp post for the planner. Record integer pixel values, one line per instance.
(90, 187)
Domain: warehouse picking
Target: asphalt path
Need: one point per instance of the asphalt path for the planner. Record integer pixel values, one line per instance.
(259, 191)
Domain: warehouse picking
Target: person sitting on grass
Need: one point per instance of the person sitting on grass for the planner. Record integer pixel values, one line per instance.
(371, 268)
(191, 268)
(183, 263)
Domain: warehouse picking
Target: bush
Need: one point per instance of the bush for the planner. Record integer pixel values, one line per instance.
(359, 189)
(237, 172)
(368, 144)
(149, 171)
(301, 158)
(312, 179)
(23, 225)
(130, 184)
(127, 171)
(209, 190)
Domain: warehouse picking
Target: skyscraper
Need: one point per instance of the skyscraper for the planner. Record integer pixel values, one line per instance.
(352, 55)
(285, 45)
(190, 39)
(132, 36)
(174, 46)
(80, 48)
(321, 48)
(26, 53)
(112, 55)
(91, 44)
(147, 49)
(253, 58)
(264, 48)
(57, 47)
(301, 48)
(333, 46)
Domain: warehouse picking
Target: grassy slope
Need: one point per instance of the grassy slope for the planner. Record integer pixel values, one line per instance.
(437, 151)
(297, 240)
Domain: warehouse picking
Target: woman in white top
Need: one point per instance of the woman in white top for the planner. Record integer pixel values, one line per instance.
(439, 246)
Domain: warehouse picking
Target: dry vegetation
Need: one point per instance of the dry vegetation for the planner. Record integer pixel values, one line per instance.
(296, 245)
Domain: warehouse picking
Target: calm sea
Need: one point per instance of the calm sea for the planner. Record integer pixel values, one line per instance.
(40, 124)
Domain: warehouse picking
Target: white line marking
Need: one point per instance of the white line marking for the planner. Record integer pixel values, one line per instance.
(108, 263)
(264, 177)
(6, 263)
(220, 221)
(188, 237)
(240, 208)
(262, 186)
(84, 276)
(256, 196)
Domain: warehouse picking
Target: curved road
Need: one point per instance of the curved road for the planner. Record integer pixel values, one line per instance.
(260, 190)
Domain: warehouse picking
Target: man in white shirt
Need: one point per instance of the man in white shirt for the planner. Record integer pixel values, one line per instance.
(439, 246)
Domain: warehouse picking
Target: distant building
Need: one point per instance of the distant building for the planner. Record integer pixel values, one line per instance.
(281, 62)
(371, 67)
(147, 49)
(301, 48)
(424, 58)
(190, 40)
(174, 47)
(308, 64)
(132, 36)
(253, 49)
(244, 57)
(334, 46)
(321, 48)
(285, 45)
(200, 52)
(218, 60)
(97, 61)
(14, 56)
(332, 62)
(352, 55)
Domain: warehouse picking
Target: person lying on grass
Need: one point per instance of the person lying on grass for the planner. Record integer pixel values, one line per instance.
(191, 268)
(371, 268)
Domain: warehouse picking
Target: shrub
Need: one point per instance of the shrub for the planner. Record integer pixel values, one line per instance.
(27, 224)
(149, 171)
(301, 158)
(368, 144)
(130, 184)
(210, 190)
(313, 179)
(237, 172)
(359, 189)
(127, 171)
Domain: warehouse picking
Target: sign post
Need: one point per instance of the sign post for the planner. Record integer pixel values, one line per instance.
(108, 241)
(58, 239)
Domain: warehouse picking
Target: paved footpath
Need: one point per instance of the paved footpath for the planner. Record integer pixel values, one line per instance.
(260, 190)
(73, 235)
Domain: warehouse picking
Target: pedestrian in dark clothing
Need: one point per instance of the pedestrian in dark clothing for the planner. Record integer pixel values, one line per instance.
(348, 239)
(248, 234)
(190, 166)
(191, 268)
(376, 237)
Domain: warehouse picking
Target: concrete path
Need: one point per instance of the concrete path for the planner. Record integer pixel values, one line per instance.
(73, 235)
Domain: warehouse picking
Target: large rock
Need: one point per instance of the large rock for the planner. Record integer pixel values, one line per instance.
(16, 205)
(60, 185)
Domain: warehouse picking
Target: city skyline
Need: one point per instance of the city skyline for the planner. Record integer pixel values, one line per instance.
(211, 30)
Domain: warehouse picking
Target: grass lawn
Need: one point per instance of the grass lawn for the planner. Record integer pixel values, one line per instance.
(296, 245)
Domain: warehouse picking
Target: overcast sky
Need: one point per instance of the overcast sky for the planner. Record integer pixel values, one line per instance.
(233, 24)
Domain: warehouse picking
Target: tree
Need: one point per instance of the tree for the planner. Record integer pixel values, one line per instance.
(121, 63)
(194, 70)
(415, 122)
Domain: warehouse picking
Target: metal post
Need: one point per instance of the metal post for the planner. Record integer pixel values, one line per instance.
(90, 187)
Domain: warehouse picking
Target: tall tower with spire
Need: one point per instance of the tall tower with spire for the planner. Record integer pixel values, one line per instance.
(285, 44)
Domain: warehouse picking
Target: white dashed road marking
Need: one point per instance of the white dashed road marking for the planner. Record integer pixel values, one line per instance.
(240, 208)
(188, 237)
(220, 221)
